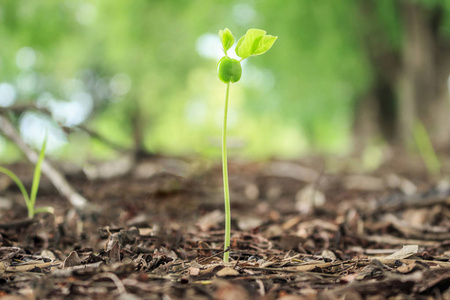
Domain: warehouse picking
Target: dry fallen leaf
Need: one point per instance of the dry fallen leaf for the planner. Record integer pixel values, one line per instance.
(309, 198)
(194, 271)
(405, 252)
(228, 291)
(406, 268)
(210, 220)
(72, 260)
(248, 223)
(328, 254)
(227, 271)
(363, 183)
(114, 254)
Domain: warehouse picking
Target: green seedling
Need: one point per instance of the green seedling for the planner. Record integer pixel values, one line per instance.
(30, 199)
(254, 42)
(426, 149)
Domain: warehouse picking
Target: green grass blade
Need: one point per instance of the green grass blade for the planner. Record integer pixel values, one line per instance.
(20, 185)
(37, 173)
(426, 150)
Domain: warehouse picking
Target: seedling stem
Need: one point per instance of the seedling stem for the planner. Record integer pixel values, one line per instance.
(226, 190)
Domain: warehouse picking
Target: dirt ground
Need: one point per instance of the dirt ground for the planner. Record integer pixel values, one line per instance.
(155, 231)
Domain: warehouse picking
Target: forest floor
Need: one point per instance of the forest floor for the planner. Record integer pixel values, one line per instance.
(298, 232)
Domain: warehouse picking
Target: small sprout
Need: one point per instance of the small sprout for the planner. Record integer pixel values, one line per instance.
(229, 70)
(30, 199)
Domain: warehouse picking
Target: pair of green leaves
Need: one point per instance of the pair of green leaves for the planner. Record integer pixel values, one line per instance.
(254, 42)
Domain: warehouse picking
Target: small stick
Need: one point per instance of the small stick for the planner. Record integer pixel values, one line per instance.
(20, 108)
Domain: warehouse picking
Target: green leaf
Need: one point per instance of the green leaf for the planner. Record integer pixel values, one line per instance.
(265, 44)
(254, 42)
(46, 209)
(249, 43)
(19, 184)
(37, 174)
(227, 39)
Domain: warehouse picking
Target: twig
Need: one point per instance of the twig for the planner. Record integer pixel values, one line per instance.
(215, 255)
(237, 261)
(20, 108)
(57, 179)
(17, 224)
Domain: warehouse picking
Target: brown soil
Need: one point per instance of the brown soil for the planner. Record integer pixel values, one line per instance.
(297, 233)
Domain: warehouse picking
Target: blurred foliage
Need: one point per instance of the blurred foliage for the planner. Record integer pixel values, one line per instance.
(153, 63)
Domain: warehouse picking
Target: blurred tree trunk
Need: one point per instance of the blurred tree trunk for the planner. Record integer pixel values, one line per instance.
(138, 127)
(409, 84)
(422, 84)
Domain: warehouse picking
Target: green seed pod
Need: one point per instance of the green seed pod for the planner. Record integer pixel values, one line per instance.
(229, 70)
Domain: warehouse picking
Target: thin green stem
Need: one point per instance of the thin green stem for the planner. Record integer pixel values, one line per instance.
(226, 191)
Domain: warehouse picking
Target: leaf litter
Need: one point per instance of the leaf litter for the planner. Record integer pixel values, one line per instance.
(296, 234)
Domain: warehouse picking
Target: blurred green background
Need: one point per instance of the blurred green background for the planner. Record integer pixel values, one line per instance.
(342, 77)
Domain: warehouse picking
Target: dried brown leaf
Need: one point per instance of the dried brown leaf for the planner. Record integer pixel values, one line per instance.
(72, 260)
(227, 271)
(405, 252)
